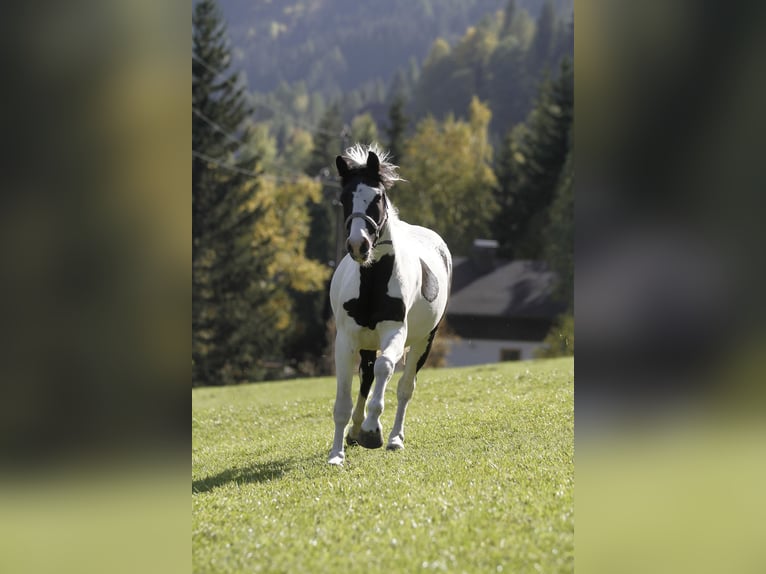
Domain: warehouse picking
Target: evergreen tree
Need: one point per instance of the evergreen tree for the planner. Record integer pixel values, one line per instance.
(559, 253)
(510, 89)
(541, 50)
(564, 44)
(397, 129)
(328, 143)
(217, 196)
(529, 166)
(413, 73)
(215, 93)
(430, 91)
(509, 15)
(399, 87)
(242, 270)
(559, 233)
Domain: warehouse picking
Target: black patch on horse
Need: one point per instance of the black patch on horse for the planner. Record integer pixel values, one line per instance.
(429, 286)
(447, 261)
(366, 371)
(374, 303)
(424, 356)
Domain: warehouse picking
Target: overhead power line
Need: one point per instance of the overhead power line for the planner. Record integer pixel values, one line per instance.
(271, 107)
(205, 65)
(217, 127)
(294, 177)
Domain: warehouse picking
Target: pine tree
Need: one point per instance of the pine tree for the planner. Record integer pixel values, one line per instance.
(541, 50)
(242, 268)
(564, 44)
(510, 89)
(559, 233)
(397, 129)
(401, 87)
(327, 144)
(559, 254)
(218, 110)
(529, 166)
(431, 88)
(509, 14)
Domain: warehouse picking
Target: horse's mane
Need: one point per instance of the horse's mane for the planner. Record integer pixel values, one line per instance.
(356, 155)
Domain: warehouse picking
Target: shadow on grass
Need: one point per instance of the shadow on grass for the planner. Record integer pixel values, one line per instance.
(257, 472)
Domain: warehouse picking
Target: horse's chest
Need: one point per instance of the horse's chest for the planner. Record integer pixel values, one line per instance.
(374, 303)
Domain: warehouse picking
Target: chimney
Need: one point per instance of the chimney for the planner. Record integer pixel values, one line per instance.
(483, 255)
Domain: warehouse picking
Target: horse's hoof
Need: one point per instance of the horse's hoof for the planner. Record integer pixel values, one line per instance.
(351, 441)
(371, 439)
(395, 444)
(336, 460)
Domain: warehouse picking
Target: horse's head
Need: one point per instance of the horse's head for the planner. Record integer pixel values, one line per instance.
(363, 196)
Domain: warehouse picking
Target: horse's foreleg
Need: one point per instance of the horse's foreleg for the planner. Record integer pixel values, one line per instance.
(404, 391)
(392, 349)
(344, 368)
(366, 377)
(357, 416)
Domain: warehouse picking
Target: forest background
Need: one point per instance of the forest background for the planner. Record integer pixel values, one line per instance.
(474, 99)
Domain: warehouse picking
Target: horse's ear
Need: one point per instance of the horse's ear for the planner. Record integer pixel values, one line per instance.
(343, 169)
(373, 163)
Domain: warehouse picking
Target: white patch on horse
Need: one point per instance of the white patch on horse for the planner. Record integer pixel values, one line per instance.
(363, 197)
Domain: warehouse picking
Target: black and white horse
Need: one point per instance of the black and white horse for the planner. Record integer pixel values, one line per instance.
(390, 292)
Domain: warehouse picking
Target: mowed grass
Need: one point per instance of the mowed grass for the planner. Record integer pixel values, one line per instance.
(485, 483)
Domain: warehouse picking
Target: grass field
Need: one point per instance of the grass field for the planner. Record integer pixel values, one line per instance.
(485, 483)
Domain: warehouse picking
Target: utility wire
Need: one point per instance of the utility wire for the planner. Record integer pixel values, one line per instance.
(234, 139)
(295, 177)
(237, 140)
(216, 126)
(207, 66)
(298, 122)
(231, 168)
(268, 105)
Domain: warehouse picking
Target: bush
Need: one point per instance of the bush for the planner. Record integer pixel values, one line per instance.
(559, 342)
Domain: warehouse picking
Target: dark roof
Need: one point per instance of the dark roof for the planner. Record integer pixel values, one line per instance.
(466, 270)
(519, 289)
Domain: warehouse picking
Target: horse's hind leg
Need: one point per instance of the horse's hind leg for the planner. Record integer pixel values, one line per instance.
(404, 391)
(366, 377)
(406, 387)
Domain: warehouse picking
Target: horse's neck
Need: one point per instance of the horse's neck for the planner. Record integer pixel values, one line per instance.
(387, 242)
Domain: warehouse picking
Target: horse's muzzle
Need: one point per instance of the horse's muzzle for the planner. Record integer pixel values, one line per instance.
(359, 252)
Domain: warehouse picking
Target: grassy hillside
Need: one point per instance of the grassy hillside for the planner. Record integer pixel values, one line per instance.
(485, 482)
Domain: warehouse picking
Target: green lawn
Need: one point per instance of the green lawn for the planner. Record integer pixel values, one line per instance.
(485, 483)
